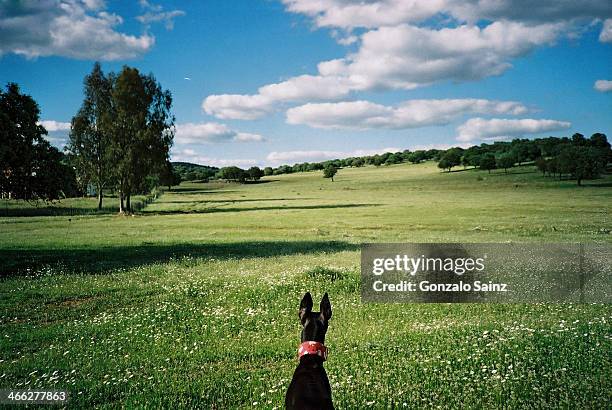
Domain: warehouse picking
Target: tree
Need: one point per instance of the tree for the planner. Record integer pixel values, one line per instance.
(357, 162)
(169, 176)
(255, 173)
(141, 131)
(520, 150)
(417, 157)
(541, 164)
(444, 164)
(232, 174)
(471, 157)
(578, 140)
(552, 166)
(599, 140)
(506, 161)
(329, 172)
(268, 171)
(589, 163)
(487, 161)
(451, 158)
(30, 168)
(565, 161)
(90, 132)
(582, 162)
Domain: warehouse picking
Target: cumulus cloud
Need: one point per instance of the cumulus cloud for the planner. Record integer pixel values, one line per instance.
(301, 88)
(211, 132)
(53, 126)
(290, 157)
(603, 85)
(399, 57)
(349, 14)
(480, 128)
(408, 114)
(79, 29)
(606, 32)
(236, 106)
(529, 11)
(398, 46)
(405, 57)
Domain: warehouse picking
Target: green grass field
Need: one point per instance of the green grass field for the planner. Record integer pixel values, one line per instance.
(193, 302)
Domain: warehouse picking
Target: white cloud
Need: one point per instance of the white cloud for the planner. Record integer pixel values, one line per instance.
(301, 88)
(236, 106)
(190, 155)
(408, 114)
(606, 32)
(399, 57)
(405, 57)
(211, 132)
(79, 29)
(529, 11)
(349, 14)
(290, 157)
(53, 126)
(480, 128)
(603, 85)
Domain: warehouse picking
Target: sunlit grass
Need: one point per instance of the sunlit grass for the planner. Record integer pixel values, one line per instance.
(193, 303)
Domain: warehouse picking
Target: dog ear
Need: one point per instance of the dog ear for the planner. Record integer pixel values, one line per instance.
(305, 307)
(325, 307)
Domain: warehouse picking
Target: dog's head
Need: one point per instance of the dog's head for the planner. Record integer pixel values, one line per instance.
(314, 324)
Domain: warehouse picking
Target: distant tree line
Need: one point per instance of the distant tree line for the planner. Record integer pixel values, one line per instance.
(388, 158)
(577, 157)
(329, 167)
(30, 168)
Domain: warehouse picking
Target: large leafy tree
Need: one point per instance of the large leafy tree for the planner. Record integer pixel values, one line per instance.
(30, 168)
(90, 133)
(330, 171)
(141, 132)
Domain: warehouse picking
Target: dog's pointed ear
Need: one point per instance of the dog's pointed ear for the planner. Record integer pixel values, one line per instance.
(325, 307)
(305, 307)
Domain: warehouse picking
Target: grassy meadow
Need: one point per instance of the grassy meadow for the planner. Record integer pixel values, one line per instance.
(193, 301)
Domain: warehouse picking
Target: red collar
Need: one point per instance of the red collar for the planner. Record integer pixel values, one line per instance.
(316, 348)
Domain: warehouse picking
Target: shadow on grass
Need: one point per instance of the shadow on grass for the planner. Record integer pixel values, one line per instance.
(192, 191)
(500, 172)
(50, 210)
(261, 181)
(260, 208)
(601, 184)
(26, 262)
(233, 200)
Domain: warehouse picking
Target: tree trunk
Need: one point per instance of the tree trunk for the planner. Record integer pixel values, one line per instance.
(579, 181)
(128, 203)
(121, 207)
(99, 198)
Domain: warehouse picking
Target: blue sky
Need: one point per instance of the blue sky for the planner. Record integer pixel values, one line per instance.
(265, 82)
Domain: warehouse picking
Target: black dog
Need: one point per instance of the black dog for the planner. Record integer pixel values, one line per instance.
(309, 388)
